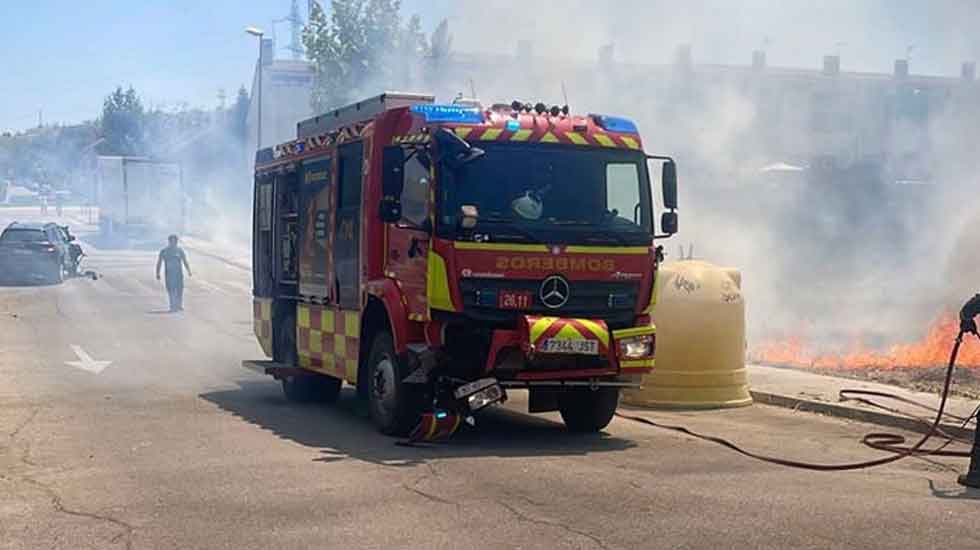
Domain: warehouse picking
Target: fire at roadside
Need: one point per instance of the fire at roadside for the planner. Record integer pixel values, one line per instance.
(917, 365)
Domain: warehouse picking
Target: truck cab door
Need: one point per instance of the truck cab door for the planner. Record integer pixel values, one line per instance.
(347, 249)
(409, 239)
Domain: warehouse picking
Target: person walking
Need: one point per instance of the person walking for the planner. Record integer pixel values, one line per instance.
(174, 261)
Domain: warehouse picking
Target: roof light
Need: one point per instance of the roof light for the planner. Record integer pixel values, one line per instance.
(615, 124)
(448, 113)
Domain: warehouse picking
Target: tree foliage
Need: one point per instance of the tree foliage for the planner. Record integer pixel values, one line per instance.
(122, 123)
(364, 47)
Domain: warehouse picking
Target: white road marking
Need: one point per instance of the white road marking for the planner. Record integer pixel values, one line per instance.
(85, 361)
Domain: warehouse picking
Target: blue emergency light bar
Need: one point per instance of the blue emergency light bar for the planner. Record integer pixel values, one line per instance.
(448, 113)
(615, 124)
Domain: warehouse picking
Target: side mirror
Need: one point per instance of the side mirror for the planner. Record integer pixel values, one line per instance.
(668, 223)
(453, 150)
(669, 180)
(390, 210)
(393, 166)
(392, 182)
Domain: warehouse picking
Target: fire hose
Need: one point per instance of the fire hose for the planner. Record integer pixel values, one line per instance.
(889, 442)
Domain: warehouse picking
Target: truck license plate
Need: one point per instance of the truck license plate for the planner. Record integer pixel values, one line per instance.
(580, 347)
(512, 299)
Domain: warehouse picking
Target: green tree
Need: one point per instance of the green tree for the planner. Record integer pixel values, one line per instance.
(363, 47)
(122, 123)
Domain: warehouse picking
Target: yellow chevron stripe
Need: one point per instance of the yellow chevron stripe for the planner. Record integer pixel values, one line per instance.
(576, 139)
(539, 326)
(463, 132)
(630, 142)
(491, 134)
(604, 140)
(568, 332)
(549, 138)
(521, 135)
(596, 329)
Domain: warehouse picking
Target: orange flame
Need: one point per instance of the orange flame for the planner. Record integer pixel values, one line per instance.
(931, 351)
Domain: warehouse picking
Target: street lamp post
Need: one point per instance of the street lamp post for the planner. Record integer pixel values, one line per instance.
(258, 33)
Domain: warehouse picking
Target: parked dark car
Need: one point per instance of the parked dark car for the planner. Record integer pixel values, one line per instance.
(34, 252)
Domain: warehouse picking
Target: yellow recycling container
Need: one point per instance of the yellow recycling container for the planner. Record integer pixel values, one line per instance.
(700, 354)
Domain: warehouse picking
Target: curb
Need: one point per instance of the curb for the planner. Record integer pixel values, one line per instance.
(854, 413)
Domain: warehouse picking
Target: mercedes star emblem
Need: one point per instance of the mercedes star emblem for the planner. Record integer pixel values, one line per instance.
(554, 292)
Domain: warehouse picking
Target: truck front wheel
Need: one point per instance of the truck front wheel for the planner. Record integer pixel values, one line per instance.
(588, 410)
(395, 406)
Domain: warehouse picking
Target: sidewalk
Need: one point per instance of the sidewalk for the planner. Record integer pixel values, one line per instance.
(818, 393)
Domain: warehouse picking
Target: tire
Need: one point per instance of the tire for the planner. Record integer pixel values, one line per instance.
(588, 411)
(395, 407)
(326, 389)
(296, 388)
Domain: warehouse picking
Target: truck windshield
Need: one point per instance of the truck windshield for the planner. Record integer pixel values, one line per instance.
(555, 194)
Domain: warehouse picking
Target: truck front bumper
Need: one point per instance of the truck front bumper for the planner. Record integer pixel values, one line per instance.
(550, 349)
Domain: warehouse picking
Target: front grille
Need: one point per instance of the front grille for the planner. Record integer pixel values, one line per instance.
(614, 303)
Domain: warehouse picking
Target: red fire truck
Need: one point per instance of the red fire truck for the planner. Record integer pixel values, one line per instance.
(436, 256)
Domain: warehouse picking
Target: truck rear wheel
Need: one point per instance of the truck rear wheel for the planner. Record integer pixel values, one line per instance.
(588, 410)
(395, 407)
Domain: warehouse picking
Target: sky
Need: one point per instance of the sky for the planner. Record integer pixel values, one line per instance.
(64, 57)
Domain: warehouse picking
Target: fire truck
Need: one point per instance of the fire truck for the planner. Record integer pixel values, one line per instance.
(437, 256)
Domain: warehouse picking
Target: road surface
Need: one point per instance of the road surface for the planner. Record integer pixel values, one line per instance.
(122, 426)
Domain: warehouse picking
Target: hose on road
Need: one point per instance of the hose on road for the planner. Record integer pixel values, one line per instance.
(889, 442)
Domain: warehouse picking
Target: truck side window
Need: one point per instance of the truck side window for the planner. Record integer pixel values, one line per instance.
(415, 193)
(265, 207)
(623, 191)
(349, 177)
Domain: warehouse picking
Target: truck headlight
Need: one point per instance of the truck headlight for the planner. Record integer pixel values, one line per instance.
(635, 347)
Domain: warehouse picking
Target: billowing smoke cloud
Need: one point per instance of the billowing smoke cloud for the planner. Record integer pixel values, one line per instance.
(829, 257)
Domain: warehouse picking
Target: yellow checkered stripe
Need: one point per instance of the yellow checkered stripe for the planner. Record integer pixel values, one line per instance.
(327, 340)
(594, 139)
(262, 323)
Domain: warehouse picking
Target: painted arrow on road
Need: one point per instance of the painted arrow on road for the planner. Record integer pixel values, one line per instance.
(85, 361)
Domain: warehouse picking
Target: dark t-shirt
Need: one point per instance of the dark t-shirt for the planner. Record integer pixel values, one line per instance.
(172, 263)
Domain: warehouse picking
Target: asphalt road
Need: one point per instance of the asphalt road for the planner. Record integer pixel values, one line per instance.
(174, 445)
